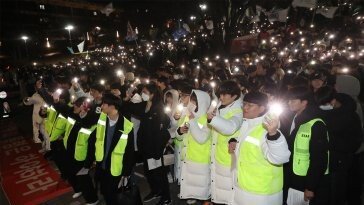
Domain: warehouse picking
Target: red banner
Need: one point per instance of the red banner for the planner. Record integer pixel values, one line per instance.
(27, 178)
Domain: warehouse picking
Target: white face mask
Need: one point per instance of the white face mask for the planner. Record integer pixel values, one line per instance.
(136, 98)
(191, 107)
(326, 107)
(145, 97)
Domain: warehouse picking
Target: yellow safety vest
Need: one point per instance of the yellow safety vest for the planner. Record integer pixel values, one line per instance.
(69, 125)
(50, 119)
(82, 143)
(58, 127)
(301, 150)
(196, 152)
(117, 154)
(255, 173)
(222, 155)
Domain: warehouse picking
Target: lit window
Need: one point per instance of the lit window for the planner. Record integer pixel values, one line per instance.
(95, 13)
(41, 7)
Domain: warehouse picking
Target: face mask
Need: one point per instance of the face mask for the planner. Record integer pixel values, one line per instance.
(191, 107)
(145, 97)
(326, 107)
(136, 98)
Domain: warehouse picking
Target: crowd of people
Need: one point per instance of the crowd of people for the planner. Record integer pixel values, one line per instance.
(281, 123)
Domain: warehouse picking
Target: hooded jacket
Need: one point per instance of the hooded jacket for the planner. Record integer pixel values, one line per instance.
(195, 177)
(221, 176)
(173, 125)
(38, 102)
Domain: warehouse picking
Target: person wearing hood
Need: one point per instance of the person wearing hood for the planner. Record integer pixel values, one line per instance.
(196, 137)
(308, 141)
(225, 120)
(179, 114)
(345, 139)
(171, 102)
(351, 86)
(38, 122)
(259, 155)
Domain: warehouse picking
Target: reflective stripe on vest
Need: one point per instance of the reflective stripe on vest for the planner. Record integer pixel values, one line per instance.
(69, 125)
(196, 152)
(82, 143)
(50, 119)
(100, 135)
(222, 155)
(255, 173)
(117, 154)
(301, 150)
(58, 127)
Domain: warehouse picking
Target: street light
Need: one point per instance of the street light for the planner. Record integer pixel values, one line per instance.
(69, 28)
(25, 38)
(203, 7)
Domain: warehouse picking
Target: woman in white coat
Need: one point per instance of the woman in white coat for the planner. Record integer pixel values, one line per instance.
(38, 122)
(225, 122)
(261, 150)
(196, 135)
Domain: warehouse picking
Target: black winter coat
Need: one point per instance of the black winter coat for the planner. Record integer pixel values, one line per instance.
(153, 132)
(344, 128)
(319, 147)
